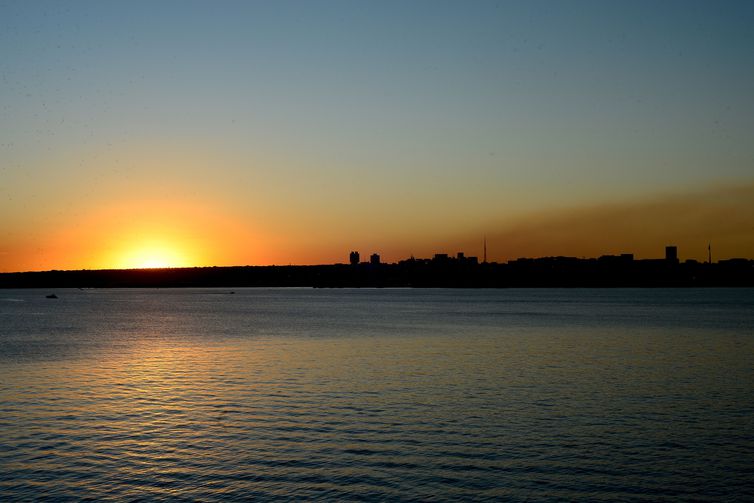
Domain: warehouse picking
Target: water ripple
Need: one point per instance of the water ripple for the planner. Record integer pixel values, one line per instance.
(139, 395)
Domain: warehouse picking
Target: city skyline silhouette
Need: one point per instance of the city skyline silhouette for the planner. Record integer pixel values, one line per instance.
(441, 270)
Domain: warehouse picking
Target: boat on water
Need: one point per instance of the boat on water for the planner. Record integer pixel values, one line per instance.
(51, 296)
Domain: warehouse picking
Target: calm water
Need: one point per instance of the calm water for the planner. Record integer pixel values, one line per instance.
(377, 394)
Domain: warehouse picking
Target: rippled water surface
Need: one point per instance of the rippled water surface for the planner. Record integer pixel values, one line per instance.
(377, 394)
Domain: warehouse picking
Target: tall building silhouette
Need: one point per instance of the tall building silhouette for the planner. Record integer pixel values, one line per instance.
(353, 257)
(374, 259)
(671, 253)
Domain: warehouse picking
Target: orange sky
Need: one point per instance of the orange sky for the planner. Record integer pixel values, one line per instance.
(720, 216)
(155, 233)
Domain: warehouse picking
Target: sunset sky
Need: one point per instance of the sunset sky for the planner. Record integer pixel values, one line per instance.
(181, 133)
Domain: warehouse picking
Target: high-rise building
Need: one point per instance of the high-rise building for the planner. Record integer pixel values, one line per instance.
(671, 253)
(374, 259)
(353, 257)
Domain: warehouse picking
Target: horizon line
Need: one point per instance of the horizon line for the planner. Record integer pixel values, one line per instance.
(367, 263)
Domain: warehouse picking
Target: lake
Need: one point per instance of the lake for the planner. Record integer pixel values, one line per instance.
(551, 394)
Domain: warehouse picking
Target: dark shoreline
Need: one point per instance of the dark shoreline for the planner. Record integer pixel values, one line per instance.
(547, 272)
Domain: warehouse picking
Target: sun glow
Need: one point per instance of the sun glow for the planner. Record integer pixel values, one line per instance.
(152, 256)
(146, 233)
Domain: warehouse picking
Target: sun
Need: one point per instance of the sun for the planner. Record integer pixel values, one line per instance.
(148, 234)
(152, 256)
(152, 263)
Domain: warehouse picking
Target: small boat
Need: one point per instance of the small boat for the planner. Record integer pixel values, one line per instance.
(51, 296)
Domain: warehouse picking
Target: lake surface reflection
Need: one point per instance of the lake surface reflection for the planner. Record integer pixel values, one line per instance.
(365, 394)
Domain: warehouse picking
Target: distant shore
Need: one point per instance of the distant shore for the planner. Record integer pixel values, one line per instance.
(419, 273)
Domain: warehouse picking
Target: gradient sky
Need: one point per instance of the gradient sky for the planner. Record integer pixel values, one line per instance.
(220, 133)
